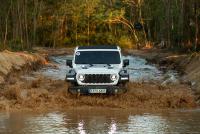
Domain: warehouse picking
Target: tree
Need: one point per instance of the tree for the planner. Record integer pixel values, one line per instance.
(90, 6)
(25, 23)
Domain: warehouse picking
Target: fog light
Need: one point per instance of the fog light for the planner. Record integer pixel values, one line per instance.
(116, 90)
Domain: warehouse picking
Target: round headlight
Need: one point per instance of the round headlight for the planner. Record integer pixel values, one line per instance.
(113, 77)
(81, 77)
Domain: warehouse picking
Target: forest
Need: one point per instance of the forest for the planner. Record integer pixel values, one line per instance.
(132, 24)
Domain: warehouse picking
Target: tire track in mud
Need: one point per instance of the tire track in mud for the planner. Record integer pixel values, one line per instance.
(44, 94)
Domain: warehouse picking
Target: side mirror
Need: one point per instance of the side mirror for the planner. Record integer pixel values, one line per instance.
(125, 63)
(69, 63)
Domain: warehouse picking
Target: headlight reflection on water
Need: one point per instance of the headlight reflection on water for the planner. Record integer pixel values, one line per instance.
(81, 128)
(113, 128)
(104, 122)
(142, 124)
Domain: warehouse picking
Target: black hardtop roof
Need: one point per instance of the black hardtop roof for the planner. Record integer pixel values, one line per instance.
(99, 47)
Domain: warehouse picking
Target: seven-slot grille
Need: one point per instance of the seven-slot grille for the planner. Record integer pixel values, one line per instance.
(97, 78)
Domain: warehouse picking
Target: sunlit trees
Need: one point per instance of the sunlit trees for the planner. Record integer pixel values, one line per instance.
(50, 23)
(89, 8)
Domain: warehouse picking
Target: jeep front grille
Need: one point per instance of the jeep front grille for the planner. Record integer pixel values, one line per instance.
(97, 78)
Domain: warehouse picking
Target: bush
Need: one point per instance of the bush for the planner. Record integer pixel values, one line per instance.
(16, 44)
(103, 38)
(125, 42)
(1, 46)
(82, 39)
(66, 41)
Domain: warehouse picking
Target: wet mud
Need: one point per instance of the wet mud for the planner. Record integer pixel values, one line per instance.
(43, 93)
(35, 91)
(15, 63)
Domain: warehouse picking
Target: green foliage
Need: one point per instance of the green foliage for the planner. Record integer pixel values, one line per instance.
(58, 23)
(1, 46)
(67, 41)
(126, 42)
(104, 38)
(16, 44)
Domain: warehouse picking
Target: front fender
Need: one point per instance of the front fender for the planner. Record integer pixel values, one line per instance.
(124, 76)
(71, 76)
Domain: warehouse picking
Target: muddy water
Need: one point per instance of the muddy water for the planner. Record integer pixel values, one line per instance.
(104, 120)
(140, 70)
(96, 121)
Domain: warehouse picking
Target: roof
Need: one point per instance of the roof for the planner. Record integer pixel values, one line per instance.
(98, 47)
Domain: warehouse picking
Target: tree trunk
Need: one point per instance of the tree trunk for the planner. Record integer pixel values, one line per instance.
(196, 25)
(168, 23)
(35, 21)
(76, 33)
(26, 26)
(88, 29)
(6, 31)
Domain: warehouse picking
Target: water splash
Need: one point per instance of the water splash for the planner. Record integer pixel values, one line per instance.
(140, 70)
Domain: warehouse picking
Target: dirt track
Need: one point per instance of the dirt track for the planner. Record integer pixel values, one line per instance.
(42, 93)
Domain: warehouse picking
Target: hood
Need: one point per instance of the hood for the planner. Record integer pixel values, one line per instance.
(97, 69)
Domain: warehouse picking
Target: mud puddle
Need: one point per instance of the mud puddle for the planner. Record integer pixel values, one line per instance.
(97, 114)
(104, 121)
(140, 70)
(36, 91)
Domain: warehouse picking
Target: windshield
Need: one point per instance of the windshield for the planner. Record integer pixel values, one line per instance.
(97, 57)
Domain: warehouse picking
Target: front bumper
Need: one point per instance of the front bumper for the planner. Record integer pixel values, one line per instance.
(86, 89)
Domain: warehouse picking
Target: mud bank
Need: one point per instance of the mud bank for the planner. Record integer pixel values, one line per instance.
(53, 51)
(163, 58)
(188, 65)
(12, 63)
(191, 66)
(43, 94)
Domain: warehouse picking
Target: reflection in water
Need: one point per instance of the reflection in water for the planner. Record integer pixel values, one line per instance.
(113, 128)
(81, 128)
(147, 124)
(101, 121)
(47, 124)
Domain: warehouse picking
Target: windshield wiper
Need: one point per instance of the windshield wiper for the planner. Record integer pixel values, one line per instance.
(105, 64)
(87, 64)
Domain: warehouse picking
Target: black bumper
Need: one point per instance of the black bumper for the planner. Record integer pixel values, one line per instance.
(86, 89)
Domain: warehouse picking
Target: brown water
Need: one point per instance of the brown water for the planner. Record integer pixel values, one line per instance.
(100, 120)
(94, 121)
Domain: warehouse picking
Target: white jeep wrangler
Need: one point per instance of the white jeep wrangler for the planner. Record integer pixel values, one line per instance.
(97, 70)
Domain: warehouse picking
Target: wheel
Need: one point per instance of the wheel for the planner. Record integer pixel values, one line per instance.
(123, 88)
